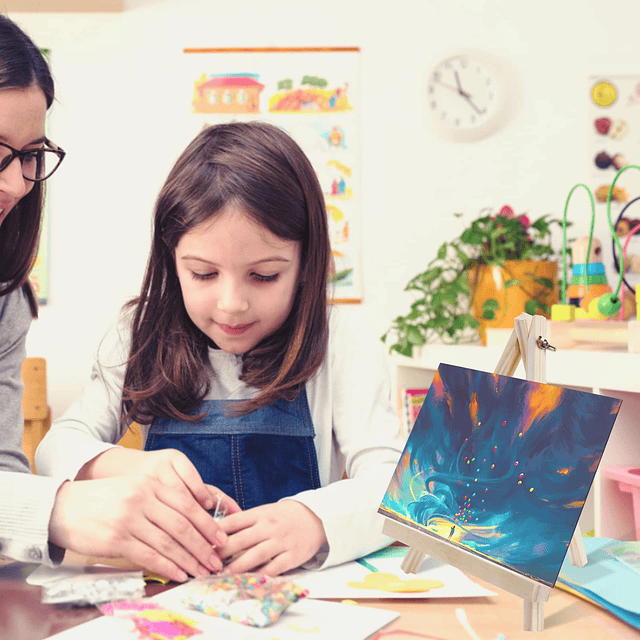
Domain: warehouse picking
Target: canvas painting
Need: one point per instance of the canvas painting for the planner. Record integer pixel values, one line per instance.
(501, 467)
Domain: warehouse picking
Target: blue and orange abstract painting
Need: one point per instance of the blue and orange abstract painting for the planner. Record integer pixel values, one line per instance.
(501, 467)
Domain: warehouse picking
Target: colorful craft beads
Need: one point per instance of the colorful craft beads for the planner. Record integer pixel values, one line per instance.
(249, 598)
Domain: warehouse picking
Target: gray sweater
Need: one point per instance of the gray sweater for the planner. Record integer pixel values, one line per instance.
(26, 500)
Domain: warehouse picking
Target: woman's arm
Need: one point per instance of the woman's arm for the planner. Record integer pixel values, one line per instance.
(26, 502)
(150, 507)
(15, 319)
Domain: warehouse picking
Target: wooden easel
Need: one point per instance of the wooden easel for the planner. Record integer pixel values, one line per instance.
(527, 342)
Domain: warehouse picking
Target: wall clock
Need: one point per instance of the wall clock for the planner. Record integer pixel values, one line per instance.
(470, 96)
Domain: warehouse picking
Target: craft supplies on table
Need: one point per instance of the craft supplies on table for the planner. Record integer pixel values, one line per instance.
(168, 614)
(247, 598)
(80, 586)
(380, 576)
(605, 580)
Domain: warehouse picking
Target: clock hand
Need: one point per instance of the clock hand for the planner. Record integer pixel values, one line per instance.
(460, 91)
(448, 86)
(464, 94)
(472, 103)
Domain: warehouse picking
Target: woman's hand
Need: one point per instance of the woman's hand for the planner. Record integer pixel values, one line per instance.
(169, 466)
(275, 537)
(156, 526)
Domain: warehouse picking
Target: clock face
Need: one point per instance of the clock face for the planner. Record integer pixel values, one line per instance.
(464, 98)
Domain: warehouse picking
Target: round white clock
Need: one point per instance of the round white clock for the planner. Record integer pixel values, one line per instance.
(468, 97)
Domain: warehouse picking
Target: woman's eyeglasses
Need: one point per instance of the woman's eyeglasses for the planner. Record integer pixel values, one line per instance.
(37, 164)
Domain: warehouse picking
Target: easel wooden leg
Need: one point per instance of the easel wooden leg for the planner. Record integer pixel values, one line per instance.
(412, 560)
(533, 616)
(577, 553)
(529, 343)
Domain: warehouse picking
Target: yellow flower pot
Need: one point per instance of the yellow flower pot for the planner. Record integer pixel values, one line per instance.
(511, 286)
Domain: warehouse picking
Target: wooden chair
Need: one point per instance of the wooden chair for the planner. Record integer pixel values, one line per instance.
(37, 415)
(132, 438)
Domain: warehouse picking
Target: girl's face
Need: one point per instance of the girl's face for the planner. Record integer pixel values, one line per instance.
(22, 119)
(238, 280)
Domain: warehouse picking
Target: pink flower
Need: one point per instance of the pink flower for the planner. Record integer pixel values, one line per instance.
(524, 220)
(507, 211)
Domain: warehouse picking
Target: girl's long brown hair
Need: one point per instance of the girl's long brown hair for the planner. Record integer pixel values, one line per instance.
(22, 66)
(260, 169)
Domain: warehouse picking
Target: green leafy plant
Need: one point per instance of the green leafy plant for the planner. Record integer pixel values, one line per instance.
(442, 307)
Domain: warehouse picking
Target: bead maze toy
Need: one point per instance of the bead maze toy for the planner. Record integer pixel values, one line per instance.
(588, 305)
(529, 344)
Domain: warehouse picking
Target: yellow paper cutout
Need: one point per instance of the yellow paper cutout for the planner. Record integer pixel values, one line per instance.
(390, 582)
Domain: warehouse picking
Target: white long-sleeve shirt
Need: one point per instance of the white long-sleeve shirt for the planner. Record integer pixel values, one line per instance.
(352, 408)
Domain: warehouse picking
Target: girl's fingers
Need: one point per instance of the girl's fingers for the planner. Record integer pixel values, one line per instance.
(258, 556)
(279, 564)
(238, 521)
(243, 538)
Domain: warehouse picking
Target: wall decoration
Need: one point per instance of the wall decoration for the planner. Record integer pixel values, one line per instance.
(501, 467)
(613, 139)
(314, 95)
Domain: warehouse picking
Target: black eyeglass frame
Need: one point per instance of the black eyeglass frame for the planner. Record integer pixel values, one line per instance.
(15, 153)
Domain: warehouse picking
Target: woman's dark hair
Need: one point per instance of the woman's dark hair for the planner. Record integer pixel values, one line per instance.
(22, 66)
(258, 168)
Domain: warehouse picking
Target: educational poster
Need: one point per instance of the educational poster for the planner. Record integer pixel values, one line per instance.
(501, 467)
(39, 275)
(311, 93)
(613, 143)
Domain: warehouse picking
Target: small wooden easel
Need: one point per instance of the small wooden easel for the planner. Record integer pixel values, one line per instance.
(527, 342)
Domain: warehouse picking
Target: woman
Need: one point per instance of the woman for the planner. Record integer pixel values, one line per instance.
(163, 526)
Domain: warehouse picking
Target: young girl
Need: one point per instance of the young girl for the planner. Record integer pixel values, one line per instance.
(164, 527)
(231, 357)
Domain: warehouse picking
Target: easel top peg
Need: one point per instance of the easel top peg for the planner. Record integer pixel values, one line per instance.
(528, 343)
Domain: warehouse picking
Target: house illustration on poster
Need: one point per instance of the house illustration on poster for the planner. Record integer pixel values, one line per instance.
(227, 93)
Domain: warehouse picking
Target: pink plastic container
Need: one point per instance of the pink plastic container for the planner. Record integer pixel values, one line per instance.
(628, 479)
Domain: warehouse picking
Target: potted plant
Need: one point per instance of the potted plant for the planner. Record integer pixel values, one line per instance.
(471, 282)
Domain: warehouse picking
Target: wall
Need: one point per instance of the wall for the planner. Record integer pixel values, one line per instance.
(109, 67)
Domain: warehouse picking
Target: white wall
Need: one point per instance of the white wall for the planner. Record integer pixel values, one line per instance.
(120, 148)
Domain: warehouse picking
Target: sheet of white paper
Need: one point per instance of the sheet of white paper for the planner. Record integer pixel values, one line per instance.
(332, 582)
(322, 620)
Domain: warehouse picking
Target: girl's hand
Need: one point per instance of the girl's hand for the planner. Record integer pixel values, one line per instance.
(275, 537)
(169, 466)
(156, 526)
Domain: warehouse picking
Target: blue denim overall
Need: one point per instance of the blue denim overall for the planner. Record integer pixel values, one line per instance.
(256, 458)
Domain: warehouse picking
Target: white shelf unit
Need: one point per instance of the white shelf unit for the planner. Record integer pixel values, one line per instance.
(608, 511)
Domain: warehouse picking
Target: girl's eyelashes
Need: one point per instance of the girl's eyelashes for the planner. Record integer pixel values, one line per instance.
(256, 276)
(261, 278)
(203, 276)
